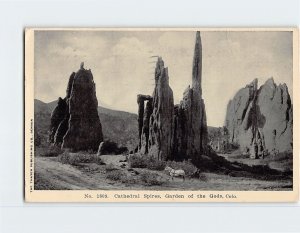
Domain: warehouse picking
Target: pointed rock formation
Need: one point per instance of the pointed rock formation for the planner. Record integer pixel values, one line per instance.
(75, 123)
(161, 119)
(58, 115)
(175, 132)
(191, 117)
(144, 120)
(261, 116)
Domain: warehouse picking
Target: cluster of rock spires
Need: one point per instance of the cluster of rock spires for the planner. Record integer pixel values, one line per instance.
(256, 117)
(75, 123)
(261, 117)
(170, 132)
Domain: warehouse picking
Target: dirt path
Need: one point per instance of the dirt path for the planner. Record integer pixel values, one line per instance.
(65, 176)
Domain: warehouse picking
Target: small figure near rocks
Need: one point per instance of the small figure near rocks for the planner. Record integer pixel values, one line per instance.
(82, 65)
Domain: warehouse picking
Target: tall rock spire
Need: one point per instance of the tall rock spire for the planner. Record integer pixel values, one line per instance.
(170, 132)
(191, 116)
(197, 65)
(75, 123)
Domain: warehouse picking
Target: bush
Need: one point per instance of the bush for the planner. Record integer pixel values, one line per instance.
(203, 177)
(151, 179)
(116, 175)
(76, 158)
(185, 165)
(136, 161)
(121, 176)
(154, 164)
(52, 151)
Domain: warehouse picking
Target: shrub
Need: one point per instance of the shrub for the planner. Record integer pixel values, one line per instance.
(52, 151)
(185, 165)
(203, 177)
(151, 179)
(76, 158)
(136, 161)
(121, 176)
(116, 175)
(154, 164)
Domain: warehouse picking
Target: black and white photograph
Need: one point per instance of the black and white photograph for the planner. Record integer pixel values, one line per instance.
(161, 110)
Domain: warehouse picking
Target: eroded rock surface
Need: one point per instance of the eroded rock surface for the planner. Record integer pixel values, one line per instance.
(261, 117)
(75, 123)
(161, 119)
(175, 132)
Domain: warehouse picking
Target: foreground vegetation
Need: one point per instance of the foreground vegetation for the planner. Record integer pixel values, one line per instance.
(58, 169)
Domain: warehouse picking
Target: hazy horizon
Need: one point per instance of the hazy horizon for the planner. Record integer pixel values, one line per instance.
(122, 66)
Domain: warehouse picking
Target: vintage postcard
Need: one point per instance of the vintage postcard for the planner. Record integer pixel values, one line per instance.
(161, 115)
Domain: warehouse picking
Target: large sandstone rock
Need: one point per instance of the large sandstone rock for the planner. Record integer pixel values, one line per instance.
(161, 119)
(190, 117)
(261, 116)
(75, 123)
(275, 105)
(170, 132)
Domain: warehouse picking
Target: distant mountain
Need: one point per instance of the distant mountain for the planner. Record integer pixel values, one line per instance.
(117, 126)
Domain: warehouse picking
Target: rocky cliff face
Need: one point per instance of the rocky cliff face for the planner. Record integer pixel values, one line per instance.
(75, 123)
(261, 116)
(170, 132)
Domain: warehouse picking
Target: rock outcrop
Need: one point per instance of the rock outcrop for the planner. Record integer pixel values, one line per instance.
(75, 123)
(170, 132)
(143, 122)
(261, 117)
(161, 119)
(59, 115)
(191, 116)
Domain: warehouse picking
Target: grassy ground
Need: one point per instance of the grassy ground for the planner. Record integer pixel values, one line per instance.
(114, 173)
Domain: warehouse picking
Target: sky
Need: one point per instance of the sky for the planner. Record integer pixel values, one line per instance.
(122, 64)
